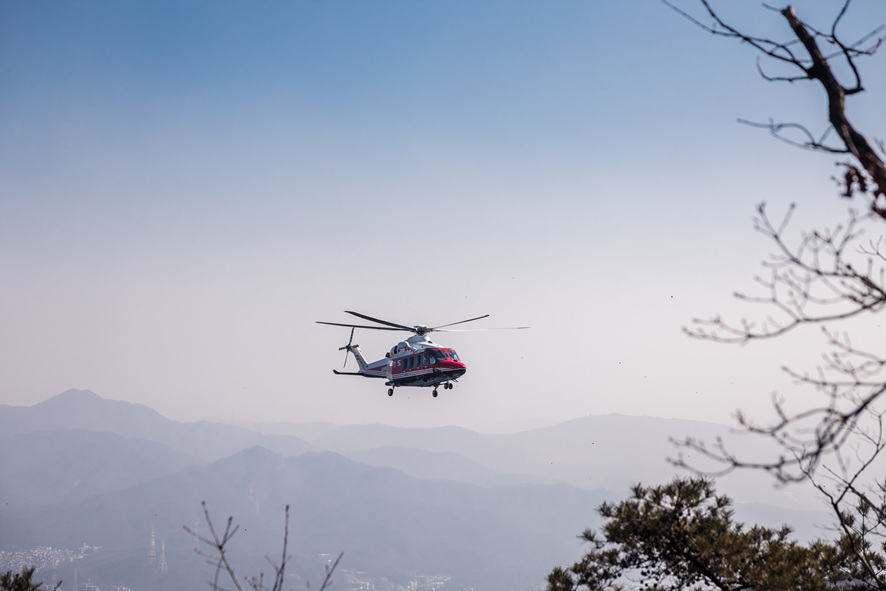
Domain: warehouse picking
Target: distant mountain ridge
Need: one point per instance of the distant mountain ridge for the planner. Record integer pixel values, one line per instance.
(595, 452)
(493, 511)
(385, 520)
(48, 467)
(84, 409)
(431, 465)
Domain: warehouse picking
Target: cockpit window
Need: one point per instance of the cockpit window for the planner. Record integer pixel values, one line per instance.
(438, 355)
(453, 354)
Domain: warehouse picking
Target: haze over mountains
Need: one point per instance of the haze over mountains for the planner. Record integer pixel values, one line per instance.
(485, 511)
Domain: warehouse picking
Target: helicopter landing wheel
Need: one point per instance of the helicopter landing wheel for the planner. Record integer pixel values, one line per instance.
(448, 386)
(434, 393)
(390, 392)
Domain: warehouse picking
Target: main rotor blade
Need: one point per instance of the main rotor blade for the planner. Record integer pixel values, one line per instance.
(460, 322)
(483, 329)
(370, 318)
(362, 326)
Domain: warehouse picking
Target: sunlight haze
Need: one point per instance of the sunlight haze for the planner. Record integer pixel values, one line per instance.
(186, 187)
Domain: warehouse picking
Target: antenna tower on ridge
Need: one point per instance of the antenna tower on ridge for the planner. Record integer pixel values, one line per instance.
(152, 553)
(163, 557)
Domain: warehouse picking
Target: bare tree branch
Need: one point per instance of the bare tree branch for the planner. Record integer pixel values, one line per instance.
(816, 282)
(824, 278)
(812, 64)
(219, 557)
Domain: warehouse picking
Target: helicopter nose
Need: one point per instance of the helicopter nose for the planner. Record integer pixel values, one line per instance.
(451, 364)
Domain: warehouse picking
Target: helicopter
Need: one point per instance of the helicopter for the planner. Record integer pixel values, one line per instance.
(416, 361)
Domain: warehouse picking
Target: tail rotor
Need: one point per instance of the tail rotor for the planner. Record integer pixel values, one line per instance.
(347, 348)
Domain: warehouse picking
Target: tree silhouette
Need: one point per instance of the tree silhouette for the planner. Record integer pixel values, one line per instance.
(682, 535)
(22, 581)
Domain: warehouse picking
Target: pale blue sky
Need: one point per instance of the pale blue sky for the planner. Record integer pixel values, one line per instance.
(185, 187)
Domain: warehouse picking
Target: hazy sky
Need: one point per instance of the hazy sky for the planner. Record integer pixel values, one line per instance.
(186, 187)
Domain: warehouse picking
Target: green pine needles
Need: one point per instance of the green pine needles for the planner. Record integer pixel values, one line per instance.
(682, 535)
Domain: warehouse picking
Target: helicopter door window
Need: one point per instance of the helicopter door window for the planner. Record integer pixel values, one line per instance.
(424, 359)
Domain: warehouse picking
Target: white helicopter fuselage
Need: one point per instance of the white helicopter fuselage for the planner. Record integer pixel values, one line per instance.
(417, 362)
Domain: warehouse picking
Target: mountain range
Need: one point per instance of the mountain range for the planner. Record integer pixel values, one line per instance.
(104, 487)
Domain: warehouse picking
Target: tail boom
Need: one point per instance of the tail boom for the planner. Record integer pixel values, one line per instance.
(378, 369)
